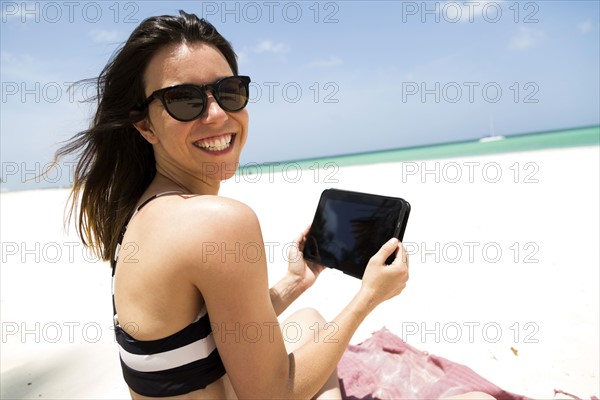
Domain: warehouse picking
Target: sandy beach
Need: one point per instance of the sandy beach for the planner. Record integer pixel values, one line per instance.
(504, 266)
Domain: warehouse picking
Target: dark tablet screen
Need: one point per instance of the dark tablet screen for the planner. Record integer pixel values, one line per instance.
(350, 227)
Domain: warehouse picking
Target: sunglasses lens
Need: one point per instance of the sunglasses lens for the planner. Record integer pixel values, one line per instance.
(184, 103)
(233, 93)
(187, 102)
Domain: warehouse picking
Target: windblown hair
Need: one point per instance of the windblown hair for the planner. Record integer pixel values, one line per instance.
(116, 163)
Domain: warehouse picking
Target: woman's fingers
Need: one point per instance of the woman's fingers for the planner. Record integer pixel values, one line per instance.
(385, 251)
(301, 238)
(401, 256)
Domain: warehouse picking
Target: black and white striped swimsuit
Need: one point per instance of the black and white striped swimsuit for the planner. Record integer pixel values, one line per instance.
(185, 361)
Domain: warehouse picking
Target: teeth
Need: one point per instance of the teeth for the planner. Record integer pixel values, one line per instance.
(215, 144)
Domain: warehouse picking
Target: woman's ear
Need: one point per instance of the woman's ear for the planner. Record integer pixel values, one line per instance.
(144, 127)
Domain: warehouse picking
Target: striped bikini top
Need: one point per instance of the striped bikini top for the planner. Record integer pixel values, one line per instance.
(185, 361)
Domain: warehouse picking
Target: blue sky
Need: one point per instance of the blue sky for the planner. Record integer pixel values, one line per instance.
(328, 77)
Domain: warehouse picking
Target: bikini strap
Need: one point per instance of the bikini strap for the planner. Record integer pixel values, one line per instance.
(148, 200)
(124, 229)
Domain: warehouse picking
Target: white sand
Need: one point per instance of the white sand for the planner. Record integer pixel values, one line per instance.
(540, 296)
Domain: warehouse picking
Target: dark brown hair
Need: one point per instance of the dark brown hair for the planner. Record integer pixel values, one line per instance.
(116, 163)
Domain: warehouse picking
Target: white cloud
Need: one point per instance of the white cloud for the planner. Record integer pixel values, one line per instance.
(264, 47)
(454, 11)
(585, 26)
(525, 38)
(332, 61)
(267, 46)
(104, 36)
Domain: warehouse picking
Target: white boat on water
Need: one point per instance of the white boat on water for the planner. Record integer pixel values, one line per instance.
(492, 137)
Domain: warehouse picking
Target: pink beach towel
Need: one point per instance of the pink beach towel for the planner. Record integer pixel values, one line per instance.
(385, 367)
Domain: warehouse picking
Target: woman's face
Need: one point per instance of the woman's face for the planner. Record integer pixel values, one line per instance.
(207, 148)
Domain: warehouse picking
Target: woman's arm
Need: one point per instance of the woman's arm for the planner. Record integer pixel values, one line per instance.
(233, 283)
(284, 292)
(300, 276)
(380, 282)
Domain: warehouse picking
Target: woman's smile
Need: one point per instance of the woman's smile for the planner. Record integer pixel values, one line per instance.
(216, 145)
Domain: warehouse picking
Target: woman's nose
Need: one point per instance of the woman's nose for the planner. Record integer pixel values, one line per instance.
(213, 111)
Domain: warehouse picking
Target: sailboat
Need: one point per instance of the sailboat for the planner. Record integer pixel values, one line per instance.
(492, 137)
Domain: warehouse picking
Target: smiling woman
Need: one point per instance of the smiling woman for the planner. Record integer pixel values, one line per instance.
(170, 126)
(173, 76)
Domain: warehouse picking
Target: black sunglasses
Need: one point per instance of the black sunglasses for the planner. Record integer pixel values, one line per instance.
(187, 102)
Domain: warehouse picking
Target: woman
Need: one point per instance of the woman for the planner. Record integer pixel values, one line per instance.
(171, 124)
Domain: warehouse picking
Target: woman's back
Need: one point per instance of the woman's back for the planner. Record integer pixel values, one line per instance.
(163, 328)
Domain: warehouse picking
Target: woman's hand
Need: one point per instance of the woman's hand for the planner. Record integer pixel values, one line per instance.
(381, 281)
(303, 272)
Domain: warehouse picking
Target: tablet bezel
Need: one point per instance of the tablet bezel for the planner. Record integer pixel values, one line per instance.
(354, 198)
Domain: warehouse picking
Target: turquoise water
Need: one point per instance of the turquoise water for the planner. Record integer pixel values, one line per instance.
(588, 136)
(19, 176)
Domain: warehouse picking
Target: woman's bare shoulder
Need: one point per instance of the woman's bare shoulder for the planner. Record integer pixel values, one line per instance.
(215, 215)
(187, 213)
(192, 228)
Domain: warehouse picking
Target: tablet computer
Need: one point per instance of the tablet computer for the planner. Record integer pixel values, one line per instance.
(350, 227)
